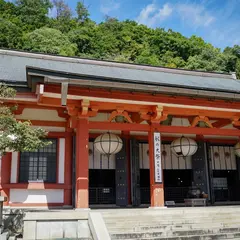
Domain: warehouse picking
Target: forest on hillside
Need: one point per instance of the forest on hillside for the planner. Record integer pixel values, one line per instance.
(27, 25)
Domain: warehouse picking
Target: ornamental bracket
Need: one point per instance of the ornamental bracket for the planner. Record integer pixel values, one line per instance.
(120, 112)
(204, 119)
(159, 115)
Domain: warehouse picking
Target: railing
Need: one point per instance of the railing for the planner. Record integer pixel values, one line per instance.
(102, 195)
(177, 194)
(227, 194)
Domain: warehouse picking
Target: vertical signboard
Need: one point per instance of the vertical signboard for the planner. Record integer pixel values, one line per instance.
(157, 157)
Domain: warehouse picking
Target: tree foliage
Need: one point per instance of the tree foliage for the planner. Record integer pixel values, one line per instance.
(16, 135)
(28, 25)
(49, 40)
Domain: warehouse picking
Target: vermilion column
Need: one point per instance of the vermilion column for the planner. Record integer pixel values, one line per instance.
(82, 136)
(5, 172)
(157, 190)
(68, 168)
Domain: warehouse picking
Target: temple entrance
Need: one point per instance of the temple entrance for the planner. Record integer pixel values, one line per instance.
(177, 174)
(102, 178)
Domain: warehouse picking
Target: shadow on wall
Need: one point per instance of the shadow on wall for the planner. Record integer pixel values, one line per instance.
(13, 221)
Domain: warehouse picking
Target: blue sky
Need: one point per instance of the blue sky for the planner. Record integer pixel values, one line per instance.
(216, 21)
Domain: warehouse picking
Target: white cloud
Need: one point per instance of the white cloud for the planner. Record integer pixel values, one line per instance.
(151, 14)
(195, 15)
(108, 6)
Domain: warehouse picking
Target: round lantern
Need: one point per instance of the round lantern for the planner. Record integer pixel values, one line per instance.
(108, 144)
(183, 147)
(237, 149)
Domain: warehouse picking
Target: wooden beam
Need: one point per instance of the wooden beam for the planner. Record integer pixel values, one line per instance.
(140, 96)
(163, 129)
(45, 123)
(119, 126)
(198, 130)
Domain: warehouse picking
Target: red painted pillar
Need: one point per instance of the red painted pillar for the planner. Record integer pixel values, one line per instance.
(82, 138)
(156, 189)
(68, 169)
(5, 172)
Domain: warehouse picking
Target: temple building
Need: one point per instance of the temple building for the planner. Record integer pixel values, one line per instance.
(121, 134)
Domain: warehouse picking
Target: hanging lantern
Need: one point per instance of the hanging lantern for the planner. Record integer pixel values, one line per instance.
(108, 144)
(183, 147)
(237, 149)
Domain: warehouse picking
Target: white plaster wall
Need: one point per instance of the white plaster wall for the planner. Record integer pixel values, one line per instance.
(169, 160)
(36, 196)
(100, 117)
(183, 122)
(99, 161)
(223, 158)
(61, 160)
(51, 129)
(14, 167)
(102, 131)
(229, 126)
(40, 114)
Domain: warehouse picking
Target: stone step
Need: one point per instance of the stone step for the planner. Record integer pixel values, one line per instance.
(181, 232)
(169, 222)
(166, 214)
(202, 237)
(143, 236)
(170, 210)
(170, 228)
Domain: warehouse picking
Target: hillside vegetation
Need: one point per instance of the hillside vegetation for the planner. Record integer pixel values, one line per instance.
(27, 25)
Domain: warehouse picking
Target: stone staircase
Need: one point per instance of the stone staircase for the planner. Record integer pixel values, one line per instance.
(173, 223)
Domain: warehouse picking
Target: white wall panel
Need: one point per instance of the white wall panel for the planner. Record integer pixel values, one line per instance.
(61, 158)
(36, 196)
(184, 122)
(169, 160)
(233, 159)
(232, 156)
(168, 156)
(188, 162)
(223, 158)
(14, 167)
(182, 163)
(40, 114)
(99, 161)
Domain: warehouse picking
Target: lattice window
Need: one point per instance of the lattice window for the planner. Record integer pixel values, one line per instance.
(39, 165)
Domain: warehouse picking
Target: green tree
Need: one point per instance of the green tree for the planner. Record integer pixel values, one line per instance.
(15, 135)
(10, 34)
(33, 13)
(48, 40)
(83, 36)
(82, 12)
(62, 9)
(238, 68)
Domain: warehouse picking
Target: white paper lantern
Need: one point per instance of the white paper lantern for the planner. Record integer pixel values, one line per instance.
(237, 149)
(108, 144)
(183, 147)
